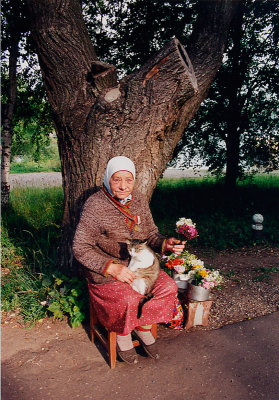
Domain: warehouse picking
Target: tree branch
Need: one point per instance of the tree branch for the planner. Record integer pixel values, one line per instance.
(207, 42)
(65, 53)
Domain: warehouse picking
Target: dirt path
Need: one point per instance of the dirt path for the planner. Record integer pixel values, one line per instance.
(44, 179)
(54, 362)
(40, 179)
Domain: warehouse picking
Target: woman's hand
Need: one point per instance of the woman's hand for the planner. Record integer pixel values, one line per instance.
(121, 273)
(174, 245)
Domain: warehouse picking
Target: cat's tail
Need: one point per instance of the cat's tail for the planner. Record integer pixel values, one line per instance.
(142, 302)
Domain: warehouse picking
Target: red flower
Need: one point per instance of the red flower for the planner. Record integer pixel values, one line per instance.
(172, 263)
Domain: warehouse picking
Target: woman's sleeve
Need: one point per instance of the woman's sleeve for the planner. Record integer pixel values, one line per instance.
(85, 247)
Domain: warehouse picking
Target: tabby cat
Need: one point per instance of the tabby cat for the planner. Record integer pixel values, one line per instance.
(145, 265)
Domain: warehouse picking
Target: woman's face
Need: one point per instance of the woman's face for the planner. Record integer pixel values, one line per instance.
(121, 184)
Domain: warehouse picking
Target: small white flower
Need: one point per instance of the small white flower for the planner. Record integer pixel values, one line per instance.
(43, 303)
(185, 221)
(196, 263)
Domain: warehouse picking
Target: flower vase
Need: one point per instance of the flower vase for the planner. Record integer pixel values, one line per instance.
(197, 293)
(181, 283)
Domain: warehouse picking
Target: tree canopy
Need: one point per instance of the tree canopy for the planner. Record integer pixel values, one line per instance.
(236, 127)
(126, 33)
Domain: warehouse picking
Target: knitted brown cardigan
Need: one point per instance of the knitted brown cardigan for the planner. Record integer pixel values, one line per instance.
(102, 232)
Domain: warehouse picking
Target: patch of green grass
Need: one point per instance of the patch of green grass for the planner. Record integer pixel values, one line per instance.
(223, 218)
(24, 290)
(32, 166)
(32, 224)
(30, 236)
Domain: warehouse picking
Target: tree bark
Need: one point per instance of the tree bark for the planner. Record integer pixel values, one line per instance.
(234, 109)
(142, 116)
(7, 132)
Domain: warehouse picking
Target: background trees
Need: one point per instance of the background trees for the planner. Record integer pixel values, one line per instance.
(26, 118)
(127, 33)
(237, 125)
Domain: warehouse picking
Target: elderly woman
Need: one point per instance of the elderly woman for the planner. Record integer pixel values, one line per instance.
(110, 217)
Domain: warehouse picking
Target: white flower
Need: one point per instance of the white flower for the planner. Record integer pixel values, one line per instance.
(196, 263)
(43, 303)
(185, 221)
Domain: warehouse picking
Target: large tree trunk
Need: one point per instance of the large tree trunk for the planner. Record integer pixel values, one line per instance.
(7, 131)
(141, 116)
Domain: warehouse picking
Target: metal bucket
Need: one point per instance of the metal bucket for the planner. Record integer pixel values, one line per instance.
(197, 293)
(181, 284)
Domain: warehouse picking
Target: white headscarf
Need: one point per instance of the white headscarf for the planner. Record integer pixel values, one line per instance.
(115, 164)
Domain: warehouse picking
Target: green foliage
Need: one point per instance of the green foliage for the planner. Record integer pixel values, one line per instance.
(30, 236)
(24, 290)
(126, 33)
(68, 296)
(223, 218)
(36, 296)
(237, 125)
(49, 165)
(48, 161)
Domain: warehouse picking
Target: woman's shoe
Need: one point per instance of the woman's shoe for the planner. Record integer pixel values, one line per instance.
(151, 349)
(128, 356)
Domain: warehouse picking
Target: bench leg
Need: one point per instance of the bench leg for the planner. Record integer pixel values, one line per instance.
(154, 330)
(112, 349)
(93, 321)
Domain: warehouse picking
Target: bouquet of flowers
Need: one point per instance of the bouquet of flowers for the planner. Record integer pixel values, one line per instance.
(191, 269)
(186, 228)
(187, 265)
(204, 277)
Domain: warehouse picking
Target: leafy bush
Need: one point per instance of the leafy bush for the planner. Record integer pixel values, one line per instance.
(37, 295)
(67, 296)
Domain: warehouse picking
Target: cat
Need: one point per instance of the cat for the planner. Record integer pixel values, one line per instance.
(146, 267)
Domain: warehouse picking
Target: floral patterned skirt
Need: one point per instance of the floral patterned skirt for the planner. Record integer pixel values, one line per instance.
(116, 304)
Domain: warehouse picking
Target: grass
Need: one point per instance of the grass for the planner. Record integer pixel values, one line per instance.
(223, 219)
(32, 166)
(31, 234)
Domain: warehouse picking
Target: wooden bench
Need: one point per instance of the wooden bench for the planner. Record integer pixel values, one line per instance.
(108, 339)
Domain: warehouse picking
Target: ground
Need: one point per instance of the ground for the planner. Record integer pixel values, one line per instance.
(53, 361)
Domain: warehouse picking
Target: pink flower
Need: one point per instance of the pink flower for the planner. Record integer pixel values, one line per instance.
(189, 232)
(179, 269)
(206, 285)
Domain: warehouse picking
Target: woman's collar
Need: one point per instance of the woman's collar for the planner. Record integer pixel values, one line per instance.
(121, 201)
